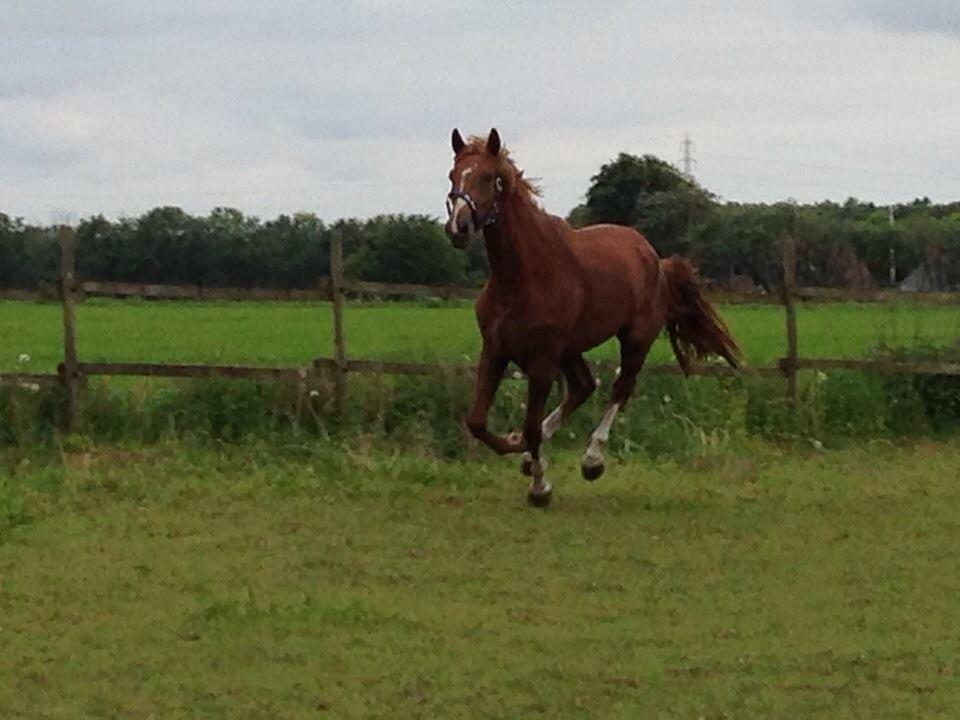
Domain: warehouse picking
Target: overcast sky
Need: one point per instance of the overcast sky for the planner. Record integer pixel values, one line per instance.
(345, 108)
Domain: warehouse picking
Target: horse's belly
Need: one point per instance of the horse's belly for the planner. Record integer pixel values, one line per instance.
(596, 331)
(608, 308)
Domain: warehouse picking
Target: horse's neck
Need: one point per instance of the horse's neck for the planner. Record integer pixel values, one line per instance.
(522, 246)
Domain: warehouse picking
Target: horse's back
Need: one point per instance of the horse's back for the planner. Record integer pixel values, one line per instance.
(615, 253)
(621, 275)
(614, 237)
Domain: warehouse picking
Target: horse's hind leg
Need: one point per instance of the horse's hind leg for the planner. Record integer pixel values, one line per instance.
(580, 385)
(633, 353)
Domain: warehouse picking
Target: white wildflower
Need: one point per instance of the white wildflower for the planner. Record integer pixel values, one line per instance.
(23, 359)
(821, 376)
(573, 436)
(817, 445)
(314, 393)
(517, 375)
(667, 399)
(617, 371)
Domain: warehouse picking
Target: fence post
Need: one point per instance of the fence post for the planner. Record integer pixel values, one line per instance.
(69, 372)
(339, 347)
(789, 364)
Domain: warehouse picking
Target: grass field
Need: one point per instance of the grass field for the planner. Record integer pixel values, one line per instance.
(293, 334)
(182, 581)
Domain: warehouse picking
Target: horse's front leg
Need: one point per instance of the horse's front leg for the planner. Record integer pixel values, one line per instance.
(538, 391)
(489, 374)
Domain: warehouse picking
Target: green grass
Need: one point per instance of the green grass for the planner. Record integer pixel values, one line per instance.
(293, 334)
(255, 581)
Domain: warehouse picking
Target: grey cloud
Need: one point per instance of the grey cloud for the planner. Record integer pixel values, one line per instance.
(936, 16)
(291, 104)
(940, 17)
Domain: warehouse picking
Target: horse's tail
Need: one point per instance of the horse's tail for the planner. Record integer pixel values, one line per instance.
(694, 327)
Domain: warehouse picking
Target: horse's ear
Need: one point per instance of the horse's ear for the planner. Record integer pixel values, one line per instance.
(493, 142)
(457, 141)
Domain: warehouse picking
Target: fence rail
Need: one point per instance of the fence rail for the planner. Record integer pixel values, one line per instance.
(323, 292)
(27, 295)
(194, 292)
(28, 379)
(334, 289)
(881, 367)
(176, 370)
(820, 294)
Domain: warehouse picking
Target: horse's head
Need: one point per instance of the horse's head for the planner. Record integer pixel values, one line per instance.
(476, 183)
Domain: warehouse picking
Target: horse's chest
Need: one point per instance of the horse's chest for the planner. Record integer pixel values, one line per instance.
(497, 330)
(518, 338)
(516, 325)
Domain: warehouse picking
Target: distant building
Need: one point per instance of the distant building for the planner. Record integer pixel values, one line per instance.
(925, 279)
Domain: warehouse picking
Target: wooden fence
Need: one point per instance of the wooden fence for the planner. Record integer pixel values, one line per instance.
(339, 365)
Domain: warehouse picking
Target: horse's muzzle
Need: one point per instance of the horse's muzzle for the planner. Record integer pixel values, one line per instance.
(459, 238)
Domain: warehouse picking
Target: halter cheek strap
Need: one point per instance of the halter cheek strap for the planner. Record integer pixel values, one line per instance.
(479, 220)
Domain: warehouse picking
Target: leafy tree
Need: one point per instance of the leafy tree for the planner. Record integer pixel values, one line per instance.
(579, 216)
(409, 249)
(743, 240)
(478, 267)
(650, 195)
(28, 254)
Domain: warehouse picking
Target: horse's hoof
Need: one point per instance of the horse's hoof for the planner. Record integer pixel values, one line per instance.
(540, 494)
(591, 472)
(540, 500)
(526, 465)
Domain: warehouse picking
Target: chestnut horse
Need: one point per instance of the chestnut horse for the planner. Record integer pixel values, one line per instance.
(555, 292)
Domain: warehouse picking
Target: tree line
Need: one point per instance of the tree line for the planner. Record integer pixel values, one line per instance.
(850, 244)
(853, 244)
(230, 249)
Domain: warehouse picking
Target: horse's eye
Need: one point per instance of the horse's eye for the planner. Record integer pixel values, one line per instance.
(487, 177)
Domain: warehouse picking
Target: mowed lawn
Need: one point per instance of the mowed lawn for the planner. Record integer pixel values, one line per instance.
(182, 582)
(293, 334)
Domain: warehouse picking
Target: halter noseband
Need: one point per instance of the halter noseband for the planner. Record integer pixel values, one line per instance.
(479, 220)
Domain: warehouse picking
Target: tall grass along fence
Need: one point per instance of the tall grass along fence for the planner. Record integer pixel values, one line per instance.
(337, 366)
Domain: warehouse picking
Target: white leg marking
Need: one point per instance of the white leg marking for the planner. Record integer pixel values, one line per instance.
(539, 486)
(552, 423)
(594, 455)
(602, 432)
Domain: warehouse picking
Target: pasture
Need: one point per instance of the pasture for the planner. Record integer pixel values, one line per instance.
(304, 581)
(221, 552)
(293, 334)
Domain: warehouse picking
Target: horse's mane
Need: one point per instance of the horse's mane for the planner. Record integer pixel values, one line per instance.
(513, 178)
